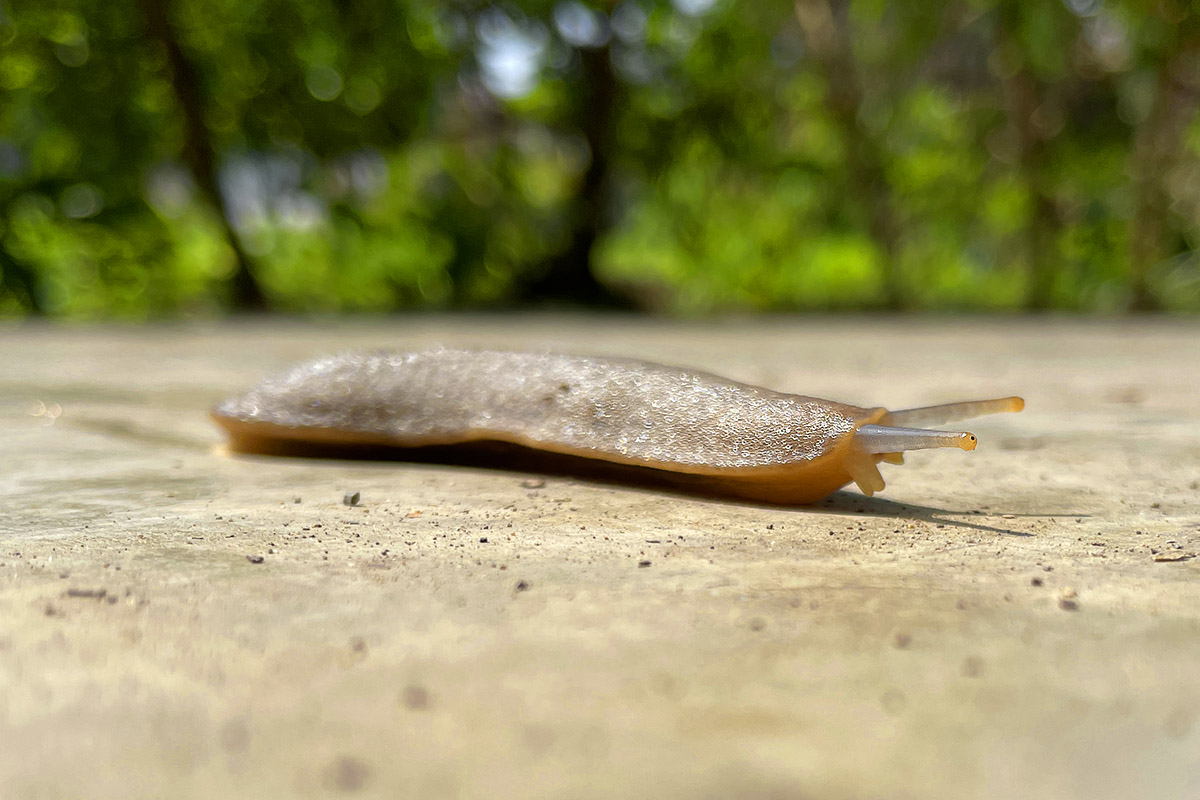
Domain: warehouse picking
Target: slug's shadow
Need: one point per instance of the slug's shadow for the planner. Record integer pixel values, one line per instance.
(851, 504)
(515, 458)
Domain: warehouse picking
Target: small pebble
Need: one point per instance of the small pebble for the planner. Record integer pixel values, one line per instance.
(1068, 600)
(254, 559)
(1174, 557)
(351, 499)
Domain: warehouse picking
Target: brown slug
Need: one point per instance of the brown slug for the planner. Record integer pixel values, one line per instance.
(737, 439)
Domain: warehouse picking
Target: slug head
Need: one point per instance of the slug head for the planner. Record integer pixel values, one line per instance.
(888, 442)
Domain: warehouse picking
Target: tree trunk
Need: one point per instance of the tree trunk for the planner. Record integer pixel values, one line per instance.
(20, 281)
(198, 150)
(569, 276)
(1041, 226)
(1024, 94)
(1157, 141)
(830, 43)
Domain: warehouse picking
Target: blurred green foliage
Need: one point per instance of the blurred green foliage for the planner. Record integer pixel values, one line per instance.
(196, 156)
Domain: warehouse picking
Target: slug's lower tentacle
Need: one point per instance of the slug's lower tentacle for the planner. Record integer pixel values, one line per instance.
(954, 412)
(863, 472)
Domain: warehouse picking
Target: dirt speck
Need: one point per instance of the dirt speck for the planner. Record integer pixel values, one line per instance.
(540, 738)
(522, 586)
(901, 640)
(87, 594)
(893, 701)
(349, 774)
(1179, 723)
(415, 698)
(254, 559)
(644, 563)
(1068, 599)
(234, 736)
(972, 667)
(533, 483)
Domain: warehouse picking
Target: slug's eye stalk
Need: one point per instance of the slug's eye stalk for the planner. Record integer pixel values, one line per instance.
(954, 412)
(889, 442)
(896, 437)
(887, 439)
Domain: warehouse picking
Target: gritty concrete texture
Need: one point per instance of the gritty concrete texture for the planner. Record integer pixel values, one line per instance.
(1021, 621)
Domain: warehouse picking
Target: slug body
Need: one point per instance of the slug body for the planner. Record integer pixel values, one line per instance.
(720, 435)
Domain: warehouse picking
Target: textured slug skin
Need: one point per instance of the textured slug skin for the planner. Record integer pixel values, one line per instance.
(727, 437)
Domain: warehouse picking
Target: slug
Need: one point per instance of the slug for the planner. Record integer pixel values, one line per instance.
(712, 433)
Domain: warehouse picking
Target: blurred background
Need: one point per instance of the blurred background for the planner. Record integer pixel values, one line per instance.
(198, 157)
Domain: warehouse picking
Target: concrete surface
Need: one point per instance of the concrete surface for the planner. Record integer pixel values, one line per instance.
(1021, 621)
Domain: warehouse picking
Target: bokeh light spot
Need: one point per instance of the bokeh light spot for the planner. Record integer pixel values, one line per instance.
(324, 82)
(81, 200)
